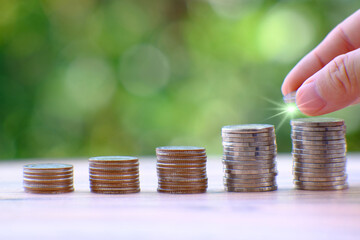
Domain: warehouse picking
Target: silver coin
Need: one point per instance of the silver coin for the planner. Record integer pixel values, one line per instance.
(318, 138)
(319, 165)
(319, 170)
(319, 143)
(318, 134)
(249, 167)
(258, 148)
(248, 135)
(317, 188)
(259, 189)
(251, 163)
(252, 158)
(319, 174)
(249, 176)
(321, 179)
(256, 171)
(247, 144)
(251, 154)
(317, 122)
(248, 185)
(319, 129)
(325, 160)
(319, 152)
(249, 140)
(319, 147)
(317, 156)
(248, 128)
(180, 149)
(319, 184)
(251, 180)
(290, 97)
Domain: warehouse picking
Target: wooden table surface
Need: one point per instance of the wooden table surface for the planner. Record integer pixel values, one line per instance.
(282, 214)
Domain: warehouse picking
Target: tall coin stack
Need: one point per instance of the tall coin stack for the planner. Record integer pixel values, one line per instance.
(181, 169)
(319, 153)
(48, 178)
(114, 174)
(249, 158)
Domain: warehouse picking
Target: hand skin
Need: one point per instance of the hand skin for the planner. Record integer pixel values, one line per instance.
(328, 78)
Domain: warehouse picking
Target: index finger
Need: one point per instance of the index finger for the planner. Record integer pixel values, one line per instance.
(342, 39)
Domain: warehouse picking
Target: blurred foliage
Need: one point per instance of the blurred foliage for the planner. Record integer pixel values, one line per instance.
(102, 77)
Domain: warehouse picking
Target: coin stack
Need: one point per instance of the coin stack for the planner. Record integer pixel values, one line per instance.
(249, 158)
(181, 169)
(319, 153)
(48, 178)
(114, 174)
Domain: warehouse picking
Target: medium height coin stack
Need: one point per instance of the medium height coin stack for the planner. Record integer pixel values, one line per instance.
(48, 178)
(181, 169)
(114, 174)
(319, 153)
(249, 158)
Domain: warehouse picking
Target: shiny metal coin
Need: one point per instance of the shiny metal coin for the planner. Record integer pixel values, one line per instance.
(109, 177)
(319, 143)
(318, 134)
(48, 167)
(319, 165)
(321, 179)
(246, 180)
(49, 191)
(114, 159)
(251, 154)
(319, 184)
(319, 147)
(249, 185)
(253, 149)
(182, 161)
(181, 154)
(317, 138)
(317, 188)
(180, 149)
(259, 189)
(180, 191)
(250, 163)
(318, 174)
(249, 135)
(247, 144)
(248, 128)
(316, 152)
(249, 167)
(317, 122)
(248, 158)
(319, 129)
(178, 165)
(115, 190)
(176, 158)
(270, 140)
(317, 156)
(319, 170)
(249, 176)
(325, 160)
(245, 172)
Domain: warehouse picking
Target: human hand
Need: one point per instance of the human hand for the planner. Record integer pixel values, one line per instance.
(328, 78)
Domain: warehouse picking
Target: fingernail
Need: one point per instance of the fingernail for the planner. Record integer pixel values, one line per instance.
(308, 100)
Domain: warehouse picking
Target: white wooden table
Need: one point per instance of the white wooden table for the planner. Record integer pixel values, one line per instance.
(283, 214)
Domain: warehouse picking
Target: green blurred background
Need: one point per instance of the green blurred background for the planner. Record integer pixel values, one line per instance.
(86, 77)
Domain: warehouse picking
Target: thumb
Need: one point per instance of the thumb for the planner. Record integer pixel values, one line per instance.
(335, 86)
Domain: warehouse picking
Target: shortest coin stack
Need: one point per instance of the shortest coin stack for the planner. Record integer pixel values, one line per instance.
(249, 158)
(181, 169)
(48, 178)
(114, 174)
(319, 154)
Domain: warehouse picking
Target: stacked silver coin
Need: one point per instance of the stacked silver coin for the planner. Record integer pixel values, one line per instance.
(319, 153)
(114, 175)
(249, 158)
(181, 169)
(48, 178)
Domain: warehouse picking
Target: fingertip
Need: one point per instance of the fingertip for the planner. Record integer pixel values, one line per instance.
(308, 99)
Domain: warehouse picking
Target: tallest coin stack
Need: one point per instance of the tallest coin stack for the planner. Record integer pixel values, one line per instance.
(319, 153)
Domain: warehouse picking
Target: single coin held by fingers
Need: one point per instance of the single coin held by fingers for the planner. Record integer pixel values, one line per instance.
(290, 97)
